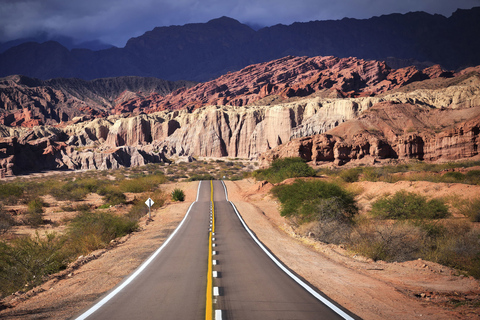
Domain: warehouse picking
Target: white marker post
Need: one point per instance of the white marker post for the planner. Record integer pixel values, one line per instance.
(149, 204)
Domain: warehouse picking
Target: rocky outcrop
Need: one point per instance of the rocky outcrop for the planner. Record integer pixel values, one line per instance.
(391, 131)
(29, 102)
(286, 79)
(429, 120)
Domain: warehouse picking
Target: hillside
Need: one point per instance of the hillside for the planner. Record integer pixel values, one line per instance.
(27, 101)
(323, 109)
(204, 51)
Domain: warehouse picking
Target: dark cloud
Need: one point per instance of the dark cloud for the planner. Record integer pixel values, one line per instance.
(115, 21)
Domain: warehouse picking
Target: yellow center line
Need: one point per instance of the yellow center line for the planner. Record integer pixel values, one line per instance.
(209, 294)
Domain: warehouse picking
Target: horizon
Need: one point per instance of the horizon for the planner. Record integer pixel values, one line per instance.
(114, 23)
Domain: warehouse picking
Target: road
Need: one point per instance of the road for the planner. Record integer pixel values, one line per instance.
(173, 284)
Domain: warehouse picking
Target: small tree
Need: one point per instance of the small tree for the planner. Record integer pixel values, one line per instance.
(178, 195)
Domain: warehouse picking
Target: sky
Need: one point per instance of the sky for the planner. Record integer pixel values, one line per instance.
(116, 21)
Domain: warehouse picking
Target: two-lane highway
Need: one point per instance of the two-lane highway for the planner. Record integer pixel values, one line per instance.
(172, 284)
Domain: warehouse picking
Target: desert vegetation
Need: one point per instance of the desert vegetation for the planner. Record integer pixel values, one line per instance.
(284, 168)
(450, 172)
(34, 244)
(47, 222)
(395, 227)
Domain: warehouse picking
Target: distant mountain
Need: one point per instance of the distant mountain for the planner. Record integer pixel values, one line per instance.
(204, 51)
(67, 42)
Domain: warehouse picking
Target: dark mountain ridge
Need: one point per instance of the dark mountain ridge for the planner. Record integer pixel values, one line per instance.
(204, 51)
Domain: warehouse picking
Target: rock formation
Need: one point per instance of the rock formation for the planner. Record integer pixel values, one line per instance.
(356, 110)
(29, 102)
(429, 120)
(427, 125)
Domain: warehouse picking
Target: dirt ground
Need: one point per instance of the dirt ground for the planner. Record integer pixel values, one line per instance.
(371, 290)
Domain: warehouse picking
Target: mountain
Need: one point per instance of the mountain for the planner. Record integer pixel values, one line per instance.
(65, 41)
(324, 109)
(28, 101)
(204, 51)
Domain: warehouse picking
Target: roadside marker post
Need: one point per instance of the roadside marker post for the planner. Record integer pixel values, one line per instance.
(149, 204)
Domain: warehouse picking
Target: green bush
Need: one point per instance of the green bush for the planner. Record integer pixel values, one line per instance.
(10, 193)
(350, 175)
(408, 205)
(457, 247)
(453, 176)
(473, 177)
(471, 209)
(142, 184)
(6, 221)
(35, 212)
(200, 177)
(112, 196)
(70, 191)
(90, 231)
(312, 200)
(24, 262)
(178, 195)
(284, 168)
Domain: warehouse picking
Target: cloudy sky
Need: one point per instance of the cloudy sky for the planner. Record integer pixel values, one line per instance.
(115, 21)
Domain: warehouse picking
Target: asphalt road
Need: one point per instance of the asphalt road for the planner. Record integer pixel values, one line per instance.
(173, 285)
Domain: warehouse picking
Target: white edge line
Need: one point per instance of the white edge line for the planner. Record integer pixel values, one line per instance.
(339, 311)
(102, 302)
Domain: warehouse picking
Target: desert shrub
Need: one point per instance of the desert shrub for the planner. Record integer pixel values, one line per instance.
(24, 262)
(89, 231)
(458, 247)
(178, 195)
(70, 191)
(310, 200)
(329, 223)
(472, 177)
(6, 220)
(138, 210)
(470, 208)
(388, 242)
(408, 205)
(10, 193)
(372, 174)
(112, 196)
(453, 176)
(142, 183)
(199, 177)
(284, 168)
(350, 175)
(91, 185)
(35, 212)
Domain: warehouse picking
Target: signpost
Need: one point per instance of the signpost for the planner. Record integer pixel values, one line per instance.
(149, 204)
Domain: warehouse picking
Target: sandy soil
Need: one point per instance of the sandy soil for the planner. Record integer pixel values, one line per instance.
(371, 290)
